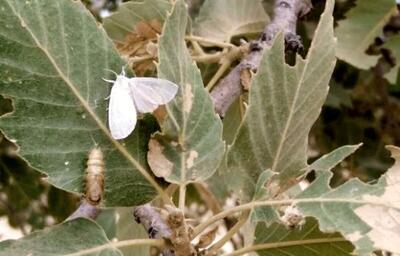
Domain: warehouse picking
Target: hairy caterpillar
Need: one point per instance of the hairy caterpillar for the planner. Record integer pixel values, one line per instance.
(94, 177)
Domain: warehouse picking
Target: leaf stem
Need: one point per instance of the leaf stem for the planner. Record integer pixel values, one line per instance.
(215, 247)
(182, 196)
(133, 242)
(208, 58)
(209, 41)
(220, 72)
(197, 48)
(199, 228)
(258, 247)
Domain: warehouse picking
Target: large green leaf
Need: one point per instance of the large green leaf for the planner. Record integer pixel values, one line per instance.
(284, 103)
(367, 215)
(393, 44)
(358, 31)
(67, 238)
(53, 56)
(223, 19)
(306, 240)
(190, 146)
(129, 14)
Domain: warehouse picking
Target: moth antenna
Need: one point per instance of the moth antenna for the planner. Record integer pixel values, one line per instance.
(112, 71)
(109, 81)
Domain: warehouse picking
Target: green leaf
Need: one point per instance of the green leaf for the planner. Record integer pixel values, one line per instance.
(358, 31)
(284, 103)
(124, 21)
(264, 213)
(127, 228)
(221, 20)
(393, 44)
(306, 240)
(52, 60)
(107, 220)
(328, 161)
(367, 215)
(66, 238)
(190, 146)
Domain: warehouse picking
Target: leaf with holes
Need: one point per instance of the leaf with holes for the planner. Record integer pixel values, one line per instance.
(367, 215)
(69, 238)
(190, 146)
(221, 20)
(284, 103)
(328, 161)
(134, 28)
(52, 60)
(357, 32)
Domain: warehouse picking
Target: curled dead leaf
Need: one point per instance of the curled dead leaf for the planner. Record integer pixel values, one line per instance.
(139, 48)
(158, 163)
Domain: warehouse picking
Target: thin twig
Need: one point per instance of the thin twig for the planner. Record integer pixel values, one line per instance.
(215, 247)
(209, 42)
(220, 72)
(208, 58)
(182, 196)
(197, 48)
(198, 229)
(281, 244)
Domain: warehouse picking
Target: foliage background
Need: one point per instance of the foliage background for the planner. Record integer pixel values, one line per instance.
(362, 106)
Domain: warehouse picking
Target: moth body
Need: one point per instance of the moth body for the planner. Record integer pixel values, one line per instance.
(137, 94)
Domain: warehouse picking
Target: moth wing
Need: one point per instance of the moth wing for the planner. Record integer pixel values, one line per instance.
(148, 93)
(122, 114)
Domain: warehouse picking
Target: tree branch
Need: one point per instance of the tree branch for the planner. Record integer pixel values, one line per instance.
(215, 247)
(153, 223)
(286, 13)
(85, 210)
(180, 238)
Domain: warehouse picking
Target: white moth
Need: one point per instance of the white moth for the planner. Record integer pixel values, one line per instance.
(137, 94)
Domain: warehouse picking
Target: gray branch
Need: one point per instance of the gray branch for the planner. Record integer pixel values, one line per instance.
(153, 223)
(286, 13)
(85, 210)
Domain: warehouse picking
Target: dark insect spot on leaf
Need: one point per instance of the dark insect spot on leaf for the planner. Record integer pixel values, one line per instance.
(152, 232)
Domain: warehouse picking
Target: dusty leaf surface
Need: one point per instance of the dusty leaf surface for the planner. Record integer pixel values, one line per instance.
(53, 58)
(191, 134)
